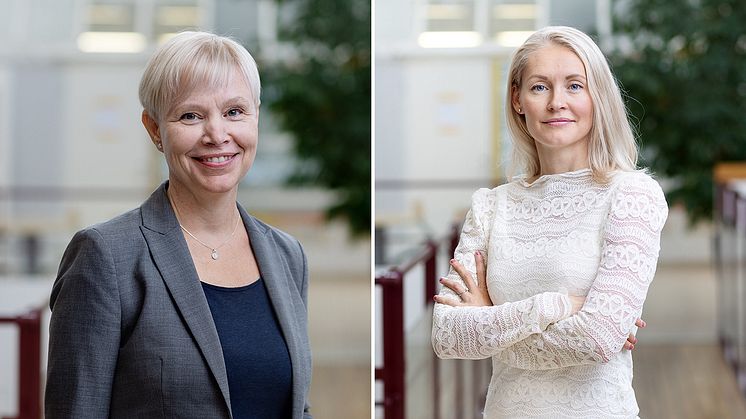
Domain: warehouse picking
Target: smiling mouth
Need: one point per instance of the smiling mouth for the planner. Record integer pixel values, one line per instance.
(216, 159)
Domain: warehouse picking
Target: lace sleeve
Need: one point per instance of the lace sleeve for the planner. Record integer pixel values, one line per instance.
(481, 332)
(631, 242)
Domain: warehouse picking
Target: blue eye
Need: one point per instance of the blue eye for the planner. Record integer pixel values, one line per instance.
(538, 88)
(188, 117)
(235, 112)
(576, 86)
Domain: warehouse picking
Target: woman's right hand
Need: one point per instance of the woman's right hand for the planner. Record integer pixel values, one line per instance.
(471, 293)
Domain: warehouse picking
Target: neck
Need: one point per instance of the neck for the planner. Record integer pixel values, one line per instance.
(553, 161)
(209, 214)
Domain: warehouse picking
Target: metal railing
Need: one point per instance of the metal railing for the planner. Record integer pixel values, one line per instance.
(29, 363)
(392, 373)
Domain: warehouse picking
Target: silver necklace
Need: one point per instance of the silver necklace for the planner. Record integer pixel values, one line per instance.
(214, 255)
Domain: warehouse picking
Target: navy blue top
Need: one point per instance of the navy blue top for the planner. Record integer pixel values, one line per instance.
(256, 356)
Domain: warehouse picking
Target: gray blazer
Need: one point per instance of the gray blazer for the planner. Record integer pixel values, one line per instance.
(131, 334)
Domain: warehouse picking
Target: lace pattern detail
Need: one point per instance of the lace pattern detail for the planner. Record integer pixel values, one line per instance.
(481, 332)
(565, 232)
(534, 209)
(575, 241)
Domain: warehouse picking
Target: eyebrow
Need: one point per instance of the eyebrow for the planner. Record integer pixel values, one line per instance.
(568, 77)
(234, 100)
(238, 99)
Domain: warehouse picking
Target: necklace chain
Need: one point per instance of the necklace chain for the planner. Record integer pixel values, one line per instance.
(214, 255)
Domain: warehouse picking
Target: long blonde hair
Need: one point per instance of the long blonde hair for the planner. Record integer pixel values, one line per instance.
(612, 143)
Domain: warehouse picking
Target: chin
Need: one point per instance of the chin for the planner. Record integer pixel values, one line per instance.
(220, 185)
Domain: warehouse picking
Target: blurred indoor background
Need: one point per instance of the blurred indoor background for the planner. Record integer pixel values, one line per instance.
(440, 68)
(73, 153)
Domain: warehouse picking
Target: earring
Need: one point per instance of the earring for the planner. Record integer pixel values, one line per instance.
(519, 110)
(160, 146)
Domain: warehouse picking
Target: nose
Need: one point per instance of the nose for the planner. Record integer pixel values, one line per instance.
(215, 131)
(557, 101)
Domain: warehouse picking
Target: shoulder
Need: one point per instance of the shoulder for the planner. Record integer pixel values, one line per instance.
(108, 233)
(485, 196)
(483, 203)
(637, 182)
(114, 229)
(637, 194)
(88, 266)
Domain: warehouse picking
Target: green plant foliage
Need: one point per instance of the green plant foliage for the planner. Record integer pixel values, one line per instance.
(322, 97)
(686, 76)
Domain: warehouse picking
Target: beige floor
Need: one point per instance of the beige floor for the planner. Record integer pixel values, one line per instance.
(339, 329)
(341, 392)
(685, 381)
(679, 369)
(681, 305)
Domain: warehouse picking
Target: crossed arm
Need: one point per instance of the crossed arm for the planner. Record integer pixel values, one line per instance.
(529, 333)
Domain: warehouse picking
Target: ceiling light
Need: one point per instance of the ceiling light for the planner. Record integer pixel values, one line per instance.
(122, 42)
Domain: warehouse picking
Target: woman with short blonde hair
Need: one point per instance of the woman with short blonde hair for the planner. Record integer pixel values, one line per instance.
(187, 306)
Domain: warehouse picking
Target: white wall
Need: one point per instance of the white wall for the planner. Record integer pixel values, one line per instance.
(106, 149)
(395, 21)
(106, 146)
(435, 134)
(4, 128)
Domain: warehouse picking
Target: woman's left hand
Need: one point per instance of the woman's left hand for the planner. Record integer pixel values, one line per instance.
(475, 293)
(631, 341)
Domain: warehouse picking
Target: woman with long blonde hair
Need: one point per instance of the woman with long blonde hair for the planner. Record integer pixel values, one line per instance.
(552, 268)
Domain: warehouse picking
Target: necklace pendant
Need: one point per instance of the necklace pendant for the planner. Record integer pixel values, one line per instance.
(214, 254)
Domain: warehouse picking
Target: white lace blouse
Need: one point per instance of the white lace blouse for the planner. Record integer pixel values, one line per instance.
(562, 234)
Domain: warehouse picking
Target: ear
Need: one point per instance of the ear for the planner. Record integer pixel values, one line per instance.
(515, 99)
(151, 125)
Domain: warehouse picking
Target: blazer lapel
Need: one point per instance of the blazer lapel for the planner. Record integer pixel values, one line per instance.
(171, 255)
(276, 280)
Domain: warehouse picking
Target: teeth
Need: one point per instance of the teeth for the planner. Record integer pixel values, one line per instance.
(217, 159)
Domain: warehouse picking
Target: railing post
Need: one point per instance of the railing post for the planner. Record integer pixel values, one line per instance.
(453, 239)
(431, 275)
(393, 345)
(431, 278)
(455, 230)
(29, 377)
(29, 364)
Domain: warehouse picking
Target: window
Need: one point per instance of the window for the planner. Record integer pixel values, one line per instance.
(130, 25)
(503, 23)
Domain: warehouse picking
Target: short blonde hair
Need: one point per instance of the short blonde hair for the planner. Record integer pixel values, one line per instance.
(612, 143)
(193, 60)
